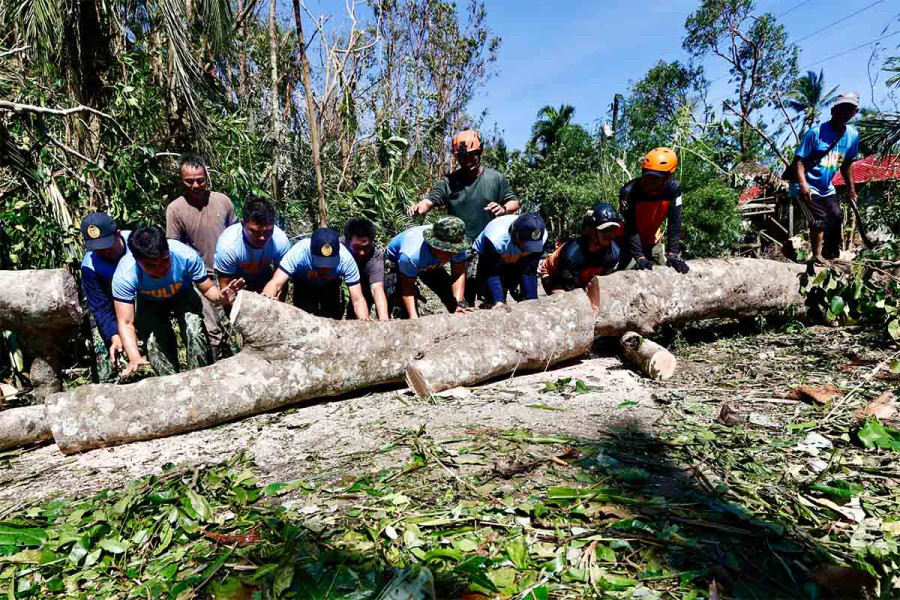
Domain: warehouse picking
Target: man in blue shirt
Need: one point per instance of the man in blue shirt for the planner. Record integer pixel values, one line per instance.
(509, 250)
(106, 245)
(825, 149)
(252, 248)
(155, 283)
(317, 266)
(421, 253)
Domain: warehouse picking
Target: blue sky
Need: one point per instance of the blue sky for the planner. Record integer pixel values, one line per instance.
(582, 52)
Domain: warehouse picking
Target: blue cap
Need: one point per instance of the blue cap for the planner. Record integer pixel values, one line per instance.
(99, 231)
(325, 248)
(529, 230)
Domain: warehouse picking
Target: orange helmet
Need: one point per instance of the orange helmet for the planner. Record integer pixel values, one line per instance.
(660, 161)
(467, 141)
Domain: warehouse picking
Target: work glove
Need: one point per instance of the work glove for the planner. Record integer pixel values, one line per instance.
(643, 264)
(677, 264)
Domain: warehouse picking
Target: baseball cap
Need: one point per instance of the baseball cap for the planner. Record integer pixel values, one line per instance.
(847, 98)
(602, 217)
(325, 248)
(529, 229)
(98, 231)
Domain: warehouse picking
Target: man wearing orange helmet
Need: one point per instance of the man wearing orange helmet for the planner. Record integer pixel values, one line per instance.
(646, 202)
(473, 193)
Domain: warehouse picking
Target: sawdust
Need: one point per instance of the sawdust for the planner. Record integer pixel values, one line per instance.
(342, 437)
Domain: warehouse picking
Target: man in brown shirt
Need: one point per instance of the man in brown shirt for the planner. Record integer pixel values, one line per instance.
(197, 219)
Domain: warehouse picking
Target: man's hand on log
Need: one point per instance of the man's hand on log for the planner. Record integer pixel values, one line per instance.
(678, 264)
(465, 309)
(133, 366)
(498, 305)
(643, 264)
(229, 293)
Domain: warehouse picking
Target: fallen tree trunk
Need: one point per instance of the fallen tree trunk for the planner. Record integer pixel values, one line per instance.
(42, 307)
(288, 356)
(729, 288)
(23, 426)
(539, 335)
(652, 359)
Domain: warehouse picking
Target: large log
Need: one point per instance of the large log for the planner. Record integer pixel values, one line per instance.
(42, 307)
(652, 359)
(641, 301)
(537, 335)
(23, 426)
(288, 356)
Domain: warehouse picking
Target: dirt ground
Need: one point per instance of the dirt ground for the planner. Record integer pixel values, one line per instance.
(342, 437)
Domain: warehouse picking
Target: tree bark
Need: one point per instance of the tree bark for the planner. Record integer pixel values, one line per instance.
(531, 335)
(314, 141)
(729, 288)
(23, 426)
(652, 359)
(275, 103)
(288, 356)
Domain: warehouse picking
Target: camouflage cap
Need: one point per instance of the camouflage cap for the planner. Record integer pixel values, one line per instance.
(447, 234)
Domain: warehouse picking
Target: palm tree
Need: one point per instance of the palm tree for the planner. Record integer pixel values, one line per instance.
(550, 123)
(808, 98)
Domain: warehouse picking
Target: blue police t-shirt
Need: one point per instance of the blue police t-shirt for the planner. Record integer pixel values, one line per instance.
(236, 258)
(102, 268)
(298, 264)
(816, 141)
(412, 254)
(500, 237)
(185, 269)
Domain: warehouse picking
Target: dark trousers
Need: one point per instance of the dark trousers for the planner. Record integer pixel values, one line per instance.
(510, 277)
(438, 281)
(367, 294)
(825, 213)
(153, 322)
(324, 300)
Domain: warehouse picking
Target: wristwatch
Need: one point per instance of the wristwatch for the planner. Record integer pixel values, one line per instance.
(462, 304)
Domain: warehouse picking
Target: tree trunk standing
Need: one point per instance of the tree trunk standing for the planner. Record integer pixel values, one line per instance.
(242, 62)
(42, 306)
(275, 102)
(489, 343)
(728, 288)
(311, 115)
(288, 356)
(23, 426)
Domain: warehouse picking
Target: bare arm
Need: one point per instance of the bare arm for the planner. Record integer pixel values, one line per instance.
(223, 296)
(420, 208)
(408, 295)
(458, 285)
(805, 193)
(128, 334)
(381, 303)
(276, 285)
(847, 173)
(360, 308)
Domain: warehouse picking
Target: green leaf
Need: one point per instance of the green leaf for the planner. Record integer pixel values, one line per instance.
(895, 366)
(283, 578)
(875, 435)
(279, 488)
(626, 404)
(894, 329)
(517, 552)
(546, 407)
(837, 305)
(113, 546)
(538, 593)
(21, 536)
(606, 554)
(581, 387)
(200, 506)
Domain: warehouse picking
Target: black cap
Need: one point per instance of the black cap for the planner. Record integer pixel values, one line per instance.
(325, 248)
(603, 216)
(529, 229)
(99, 231)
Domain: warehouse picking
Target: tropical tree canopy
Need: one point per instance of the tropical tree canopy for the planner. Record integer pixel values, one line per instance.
(548, 128)
(809, 99)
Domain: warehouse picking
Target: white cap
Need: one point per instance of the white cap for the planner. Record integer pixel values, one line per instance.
(847, 98)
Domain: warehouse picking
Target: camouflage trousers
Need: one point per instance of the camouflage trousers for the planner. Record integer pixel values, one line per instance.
(154, 328)
(106, 371)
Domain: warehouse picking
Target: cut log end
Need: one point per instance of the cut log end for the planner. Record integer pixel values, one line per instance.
(652, 359)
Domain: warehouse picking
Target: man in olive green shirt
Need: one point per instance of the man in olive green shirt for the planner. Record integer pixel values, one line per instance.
(474, 194)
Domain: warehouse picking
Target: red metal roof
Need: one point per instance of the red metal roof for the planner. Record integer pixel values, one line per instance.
(750, 194)
(872, 168)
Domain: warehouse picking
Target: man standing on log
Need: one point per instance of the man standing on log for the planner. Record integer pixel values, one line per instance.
(576, 262)
(253, 248)
(825, 149)
(421, 253)
(198, 218)
(152, 285)
(509, 250)
(318, 266)
(106, 245)
(646, 202)
(473, 193)
(359, 239)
